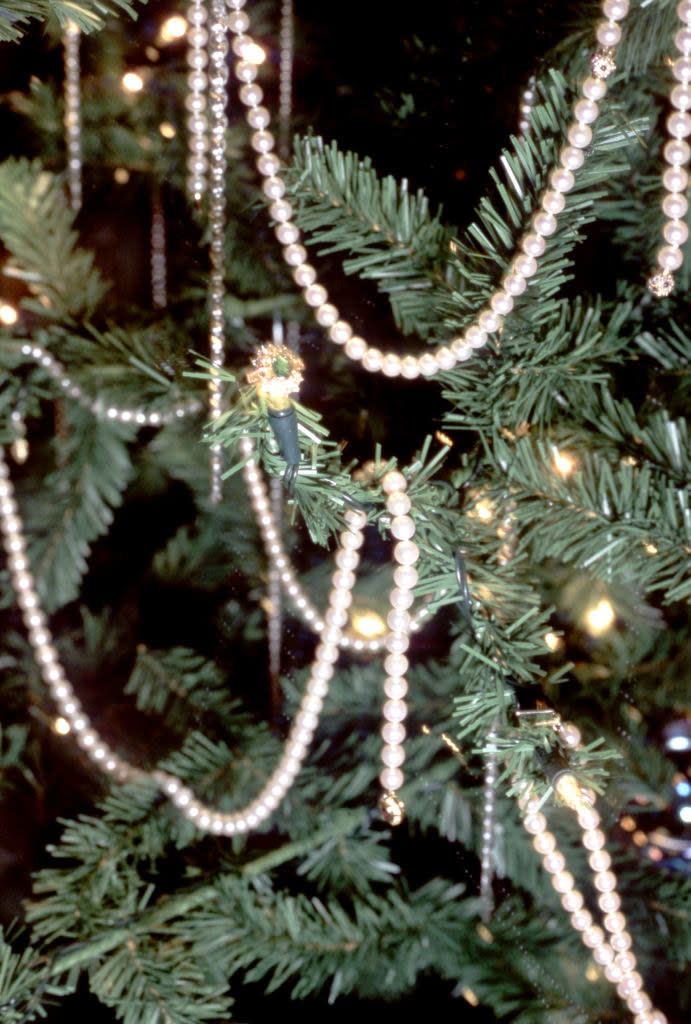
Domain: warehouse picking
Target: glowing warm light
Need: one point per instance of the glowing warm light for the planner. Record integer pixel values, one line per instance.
(564, 463)
(650, 549)
(132, 82)
(368, 624)
(640, 838)
(62, 726)
(600, 617)
(253, 53)
(443, 438)
(655, 853)
(8, 314)
(685, 814)
(173, 28)
(121, 175)
(570, 791)
(482, 509)
(627, 823)
(167, 130)
(592, 972)
(469, 996)
(152, 54)
(678, 743)
(552, 640)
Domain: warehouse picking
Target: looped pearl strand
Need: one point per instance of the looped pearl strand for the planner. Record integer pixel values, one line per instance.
(676, 153)
(610, 943)
(207, 819)
(524, 266)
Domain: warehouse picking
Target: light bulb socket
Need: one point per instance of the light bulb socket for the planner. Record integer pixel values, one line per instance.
(284, 424)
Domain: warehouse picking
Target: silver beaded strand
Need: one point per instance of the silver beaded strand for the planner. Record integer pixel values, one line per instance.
(676, 153)
(218, 78)
(73, 113)
(524, 266)
(489, 797)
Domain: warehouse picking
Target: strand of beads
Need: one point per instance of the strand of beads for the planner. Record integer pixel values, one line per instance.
(159, 274)
(197, 122)
(524, 266)
(285, 79)
(278, 558)
(395, 709)
(103, 410)
(526, 105)
(676, 153)
(73, 113)
(488, 827)
(218, 78)
(207, 819)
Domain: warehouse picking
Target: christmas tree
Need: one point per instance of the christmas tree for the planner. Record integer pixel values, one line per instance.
(344, 501)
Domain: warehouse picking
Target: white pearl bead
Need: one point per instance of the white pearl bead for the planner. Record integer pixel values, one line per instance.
(395, 688)
(681, 69)
(525, 266)
(514, 284)
(287, 233)
(315, 295)
(401, 599)
(682, 40)
(489, 321)
(684, 11)
(571, 158)
(675, 232)
(259, 117)
(545, 224)
(680, 97)
(562, 180)
(580, 135)
(428, 364)
(372, 360)
(393, 732)
(409, 368)
(391, 779)
(615, 10)
(445, 357)
(563, 881)
(295, 255)
(340, 332)
(669, 257)
(398, 503)
(462, 349)
(395, 710)
(393, 482)
(676, 152)
(355, 347)
(608, 34)
(593, 936)
(406, 552)
(572, 901)
(675, 179)
(501, 303)
(398, 620)
(552, 202)
(679, 124)
(581, 919)
(391, 365)
(281, 210)
(533, 245)
(405, 577)
(326, 315)
(402, 527)
(393, 756)
(586, 111)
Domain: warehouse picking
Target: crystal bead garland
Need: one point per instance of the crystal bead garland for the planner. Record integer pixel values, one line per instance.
(205, 818)
(524, 266)
(676, 153)
(159, 284)
(610, 946)
(285, 78)
(218, 78)
(73, 113)
(197, 122)
(488, 827)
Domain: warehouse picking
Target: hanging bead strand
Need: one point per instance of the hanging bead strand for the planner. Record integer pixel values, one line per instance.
(489, 798)
(285, 78)
(73, 113)
(159, 283)
(524, 266)
(395, 709)
(197, 81)
(676, 153)
(218, 78)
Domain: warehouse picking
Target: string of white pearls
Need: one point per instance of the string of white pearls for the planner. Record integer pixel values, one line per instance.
(207, 819)
(610, 944)
(526, 105)
(159, 269)
(523, 267)
(104, 410)
(676, 153)
(73, 113)
(278, 558)
(218, 80)
(195, 101)
(285, 78)
(488, 825)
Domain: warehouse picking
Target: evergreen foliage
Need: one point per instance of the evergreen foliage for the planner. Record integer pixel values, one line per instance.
(161, 623)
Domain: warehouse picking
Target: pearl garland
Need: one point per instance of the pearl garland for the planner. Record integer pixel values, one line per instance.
(206, 819)
(488, 826)
(73, 113)
(610, 945)
(96, 406)
(197, 121)
(159, 275)
(523, 267)
(676, 153)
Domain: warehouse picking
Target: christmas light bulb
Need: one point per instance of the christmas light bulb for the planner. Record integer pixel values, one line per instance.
(61, 726)
(173, 28)
(8, 314)
(368, 624)
(599, 617)
(132, 82)
(564, 463)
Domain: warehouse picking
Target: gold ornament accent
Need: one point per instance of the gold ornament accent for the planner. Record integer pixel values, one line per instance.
(391, 808)
(602, 63)
(662, 284)
(277, 374)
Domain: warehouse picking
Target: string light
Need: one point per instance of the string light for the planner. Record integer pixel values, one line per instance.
(61, 726)
(564, 463)
(599, 617)
(167, 130)
(172, 29)
(132, 81)
(8, 314)
(552, 640)
(368, 624)
(121, 175)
